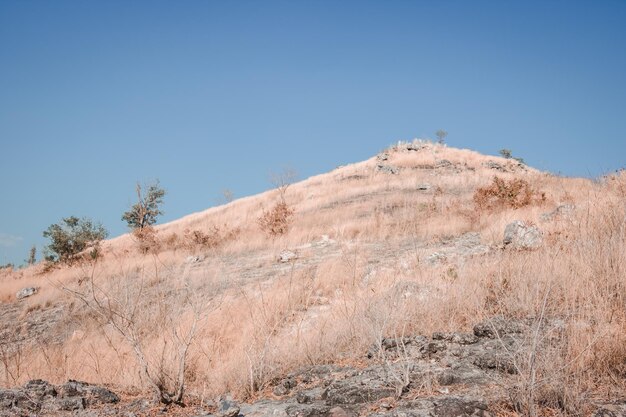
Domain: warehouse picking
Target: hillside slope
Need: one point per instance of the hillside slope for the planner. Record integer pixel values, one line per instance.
(407, 243)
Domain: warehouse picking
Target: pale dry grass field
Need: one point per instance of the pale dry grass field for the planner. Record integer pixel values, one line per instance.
(247, 319)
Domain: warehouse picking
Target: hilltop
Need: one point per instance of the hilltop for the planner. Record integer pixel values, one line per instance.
(426, 280)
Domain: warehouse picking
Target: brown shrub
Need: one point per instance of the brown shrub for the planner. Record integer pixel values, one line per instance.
(216, 236)
(276, 222)
(146, 239)
(501, 193)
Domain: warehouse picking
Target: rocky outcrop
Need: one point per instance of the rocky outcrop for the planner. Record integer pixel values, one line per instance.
(39, 397)
(388, 169)
(443, 375)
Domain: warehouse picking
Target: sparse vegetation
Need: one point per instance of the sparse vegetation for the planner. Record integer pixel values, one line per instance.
(373, 282)
(125, 307)
(71, 237)
(144, 213)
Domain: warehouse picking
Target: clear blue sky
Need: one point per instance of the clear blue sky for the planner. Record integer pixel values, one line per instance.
(206, 95)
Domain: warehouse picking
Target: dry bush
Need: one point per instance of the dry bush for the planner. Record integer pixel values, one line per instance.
(146, 240)
(500, 194)
(276, 222)
(216, 237)
(158, 325)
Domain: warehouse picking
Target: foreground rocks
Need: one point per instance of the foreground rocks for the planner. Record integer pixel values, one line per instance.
(443, 375)
(446, 374)
(38, 397)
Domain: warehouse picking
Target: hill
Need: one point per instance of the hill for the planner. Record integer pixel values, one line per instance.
(425, 273)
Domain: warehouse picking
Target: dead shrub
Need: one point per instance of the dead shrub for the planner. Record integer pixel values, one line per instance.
(147, 240)
(515, 193)
(217, 236)
(276, 222)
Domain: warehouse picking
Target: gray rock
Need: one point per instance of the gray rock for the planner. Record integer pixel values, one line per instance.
(470, 244)
(194, 259)
(444, 163)
(303, 398)
(424, 187)
(388, 169)
(560, 211)
(41, 397)
(519, 235)
(457, 407)
(26, 292)
(227, 408)
(351, 392)
(416, 146)
(498, 327)
(70, 404)
(308, 410)
(460, 338)
(436, 258)
(92, 394)
(287, 256)
(495, 166)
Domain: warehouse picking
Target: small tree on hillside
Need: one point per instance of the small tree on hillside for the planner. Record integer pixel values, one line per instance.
(507, 154)
(441, 136)
(277, 220)
(145, 212)
(72, 236)
(32, 255)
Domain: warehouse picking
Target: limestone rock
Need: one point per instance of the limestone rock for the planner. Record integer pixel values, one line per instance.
(287, 256)
(519, 235)
(26, 292)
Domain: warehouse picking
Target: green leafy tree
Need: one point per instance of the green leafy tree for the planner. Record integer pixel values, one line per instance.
(148, 207)
(72, 236)
(506, 153)
(441, 136)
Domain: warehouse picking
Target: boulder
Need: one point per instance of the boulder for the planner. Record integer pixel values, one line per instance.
(519, 235)
(26, 292)
(227, 407)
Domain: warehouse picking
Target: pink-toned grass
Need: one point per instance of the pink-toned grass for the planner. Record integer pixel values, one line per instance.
(259, 328)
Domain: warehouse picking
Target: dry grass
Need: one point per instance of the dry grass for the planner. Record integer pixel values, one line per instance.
(275, 318)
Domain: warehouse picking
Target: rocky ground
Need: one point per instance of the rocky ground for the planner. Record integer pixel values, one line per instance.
(441, 375)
